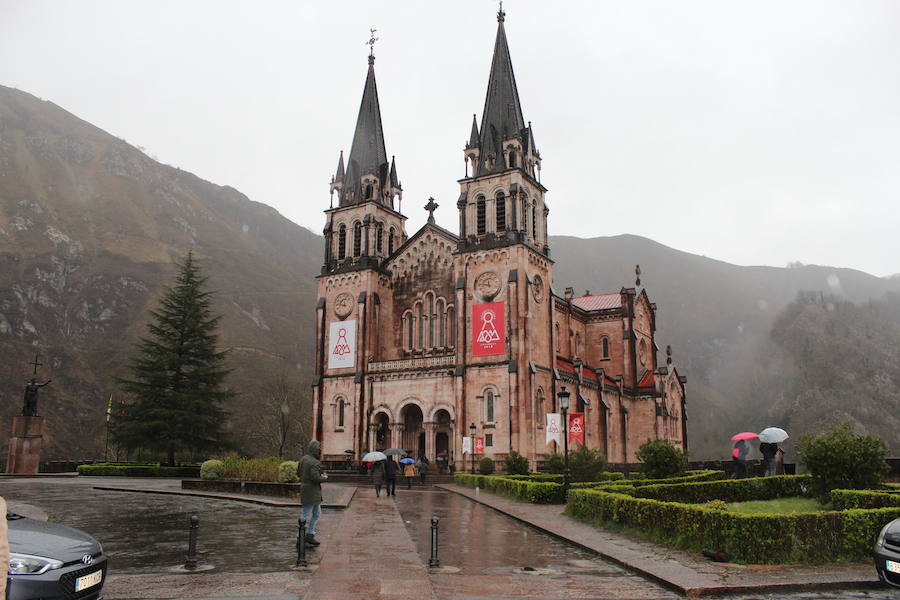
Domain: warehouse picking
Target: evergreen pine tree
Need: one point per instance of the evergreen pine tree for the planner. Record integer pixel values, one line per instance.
(177, 383)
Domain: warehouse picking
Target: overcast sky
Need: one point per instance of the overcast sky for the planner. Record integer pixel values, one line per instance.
(756, 133)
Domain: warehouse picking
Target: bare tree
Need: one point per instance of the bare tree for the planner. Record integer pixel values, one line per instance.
(281, 420)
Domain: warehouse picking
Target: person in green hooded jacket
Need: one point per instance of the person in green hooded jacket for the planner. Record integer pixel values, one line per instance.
(311, 477)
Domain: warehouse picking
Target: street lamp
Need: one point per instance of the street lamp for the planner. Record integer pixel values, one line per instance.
(563, 396)
(472, 431)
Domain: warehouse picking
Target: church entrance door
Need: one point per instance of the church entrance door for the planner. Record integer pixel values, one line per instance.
(413, 432)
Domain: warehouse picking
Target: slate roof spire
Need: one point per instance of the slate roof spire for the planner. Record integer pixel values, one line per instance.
(473, 137)
(502, 117)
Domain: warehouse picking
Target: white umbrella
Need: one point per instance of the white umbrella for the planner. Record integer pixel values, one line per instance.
(374, 457)
(773, 435)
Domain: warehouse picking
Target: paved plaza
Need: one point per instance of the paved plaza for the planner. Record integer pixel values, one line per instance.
(490, 547)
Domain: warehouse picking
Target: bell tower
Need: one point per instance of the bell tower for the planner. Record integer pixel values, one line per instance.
(501, 199)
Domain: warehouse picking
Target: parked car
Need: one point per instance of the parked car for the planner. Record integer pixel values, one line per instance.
(49, 561)
(887, 554)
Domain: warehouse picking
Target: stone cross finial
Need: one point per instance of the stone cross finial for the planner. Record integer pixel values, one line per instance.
(431, 207)
(501, 15)
(36, 364)
(371, 45)
(669, 354)
(637, 275)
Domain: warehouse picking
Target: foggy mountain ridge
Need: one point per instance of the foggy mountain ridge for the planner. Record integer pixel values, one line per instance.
(91, 227)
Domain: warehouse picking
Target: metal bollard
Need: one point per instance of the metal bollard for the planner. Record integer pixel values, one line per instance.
(301, 543)
(191, 562)
(433, 562)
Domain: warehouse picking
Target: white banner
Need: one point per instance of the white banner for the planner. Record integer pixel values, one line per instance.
(554, 427)
(467, 445)
(342, 345)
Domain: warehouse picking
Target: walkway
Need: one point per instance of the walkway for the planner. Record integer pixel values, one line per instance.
(688, 573)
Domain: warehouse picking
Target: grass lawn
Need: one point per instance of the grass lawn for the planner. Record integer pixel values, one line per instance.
(792, 504)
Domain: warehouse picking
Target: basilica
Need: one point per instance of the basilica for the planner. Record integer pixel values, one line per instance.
(446, 343)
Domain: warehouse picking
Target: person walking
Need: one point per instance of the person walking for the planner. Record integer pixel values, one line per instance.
(390, 476)
(739, 454)
(769, 450)
(311, 477)
(422, 467)
(377, 473)
(409, 471)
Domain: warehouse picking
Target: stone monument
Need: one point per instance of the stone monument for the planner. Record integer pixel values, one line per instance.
(24, 455)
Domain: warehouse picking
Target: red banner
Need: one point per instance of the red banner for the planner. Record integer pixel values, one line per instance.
(479, 445)
(576, 428)
(488, 329)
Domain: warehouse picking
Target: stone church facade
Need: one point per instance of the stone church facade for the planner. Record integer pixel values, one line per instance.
(421, 336)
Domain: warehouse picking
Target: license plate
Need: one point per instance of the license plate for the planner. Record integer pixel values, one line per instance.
(893, 567)
(92, 579)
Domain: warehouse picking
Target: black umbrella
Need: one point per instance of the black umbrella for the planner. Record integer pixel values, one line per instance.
(394, 452)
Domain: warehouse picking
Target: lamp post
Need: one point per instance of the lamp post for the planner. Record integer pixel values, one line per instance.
(472, 431)
(563, 396)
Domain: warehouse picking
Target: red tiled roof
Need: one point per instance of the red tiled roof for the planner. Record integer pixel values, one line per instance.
(564, 365)
(588, 374)
(647, 381)
(598, 301)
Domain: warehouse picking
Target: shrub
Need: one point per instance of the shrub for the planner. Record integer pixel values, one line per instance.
(587, 464)
(842, 459)
(661, 458)
(287, 472)
(728, 490)
(517, 489)
(689, 477)
(516, 464)
(486, 466)
(251, 469)
(716, 505)
(848, 499)
(112, 470)
(212, 469)
(556, 463)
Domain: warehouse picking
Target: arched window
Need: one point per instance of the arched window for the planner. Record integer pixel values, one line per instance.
(480, 216)
(539, 406)
(431, 320)
(489, 407)
(604, 348)
(524, 203)
(342, 242)
(534, 221)
(452, 320)
(379, 237)
(368, 191)
(357, 238)
(501, 211)
(421, 343)
(442, 325)
(410, 331)
(556, 329)
(340, 419)
(577, 344)
(512, 159)
(391, 241)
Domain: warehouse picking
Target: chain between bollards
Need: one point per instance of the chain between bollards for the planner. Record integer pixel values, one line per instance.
(433, 562)
(191, 562)
(301, 543)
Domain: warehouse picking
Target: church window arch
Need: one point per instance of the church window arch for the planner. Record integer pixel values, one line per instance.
(357, 238)
(408, 329)
(368, 194)
(534, 221)
(556, 330)
(480, 216)
(452, 325)
(539, 409)
(501, 211)
(430, 315)
(577, 345)
(340, 404)
(512, 159)
(342, 242)
(442, 323)
(379, 237)
(489, 406)
(391, 241)
(420, 309)
(604, 348)
(524, 202)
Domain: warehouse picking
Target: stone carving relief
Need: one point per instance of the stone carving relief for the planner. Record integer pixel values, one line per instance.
(537, 288)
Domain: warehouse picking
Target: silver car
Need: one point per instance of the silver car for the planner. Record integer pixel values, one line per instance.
(49, 561)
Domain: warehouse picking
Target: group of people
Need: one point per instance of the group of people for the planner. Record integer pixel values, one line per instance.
(384, 473)
(773, 459)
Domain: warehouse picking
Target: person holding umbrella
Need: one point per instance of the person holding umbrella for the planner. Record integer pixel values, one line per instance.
(409, 470)
(390, 475)
(740, 452)
(376, 471)
(768, 446)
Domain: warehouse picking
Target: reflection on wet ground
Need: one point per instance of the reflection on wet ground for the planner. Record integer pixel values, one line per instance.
(147, 533)
(479, 540)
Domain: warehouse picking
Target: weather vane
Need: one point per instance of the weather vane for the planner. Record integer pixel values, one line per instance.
(371, 45)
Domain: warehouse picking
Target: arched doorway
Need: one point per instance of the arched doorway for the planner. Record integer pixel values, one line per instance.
(413, 433)
(382, 431)
(443, 433)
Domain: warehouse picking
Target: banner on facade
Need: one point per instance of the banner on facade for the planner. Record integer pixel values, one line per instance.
(488, 329)
(576, 428)
(553, 428)
(342, 345)
(467, 445)
(479, 445)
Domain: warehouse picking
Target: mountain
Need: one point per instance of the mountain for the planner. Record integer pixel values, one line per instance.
(718, 317)
(90, 230)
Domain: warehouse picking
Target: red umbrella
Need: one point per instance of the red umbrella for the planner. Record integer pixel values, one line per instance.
(747, 435)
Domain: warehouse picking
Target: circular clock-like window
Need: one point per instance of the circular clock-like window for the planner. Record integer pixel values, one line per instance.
(537, 288)
(343, 305)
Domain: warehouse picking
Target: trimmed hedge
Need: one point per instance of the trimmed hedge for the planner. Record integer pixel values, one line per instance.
(535, 492)
(729, 490)
(848, 499)
(693, 476)
(748, 538)
(558, 478)
(107, 470)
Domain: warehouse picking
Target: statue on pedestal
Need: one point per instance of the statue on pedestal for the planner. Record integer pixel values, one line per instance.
(29, 408)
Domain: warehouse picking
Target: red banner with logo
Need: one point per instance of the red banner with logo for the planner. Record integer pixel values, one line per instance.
(576, 428)
(488, 329)
(479, 445)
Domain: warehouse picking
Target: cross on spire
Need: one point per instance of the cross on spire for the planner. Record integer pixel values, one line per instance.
(371, 45)
(36, 364)
(431, 207)
(501, 14)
